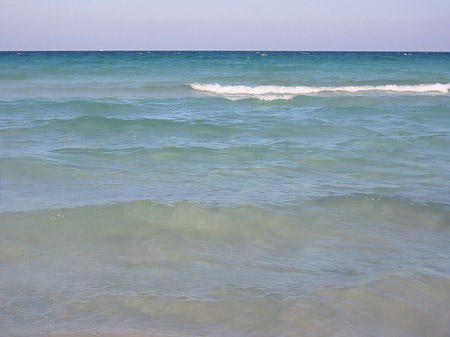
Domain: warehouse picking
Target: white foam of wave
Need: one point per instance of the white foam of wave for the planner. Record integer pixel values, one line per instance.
(260, 97)
(273, 92)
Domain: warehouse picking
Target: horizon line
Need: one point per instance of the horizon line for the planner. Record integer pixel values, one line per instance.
(227, 50)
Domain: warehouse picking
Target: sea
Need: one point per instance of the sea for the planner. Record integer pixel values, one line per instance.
(210, 193)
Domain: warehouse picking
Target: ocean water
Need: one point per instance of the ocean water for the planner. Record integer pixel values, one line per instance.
(224, 194)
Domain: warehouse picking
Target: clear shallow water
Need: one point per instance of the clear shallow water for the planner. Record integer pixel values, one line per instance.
(224, 193)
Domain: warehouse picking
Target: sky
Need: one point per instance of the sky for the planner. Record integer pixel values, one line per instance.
(404, 25)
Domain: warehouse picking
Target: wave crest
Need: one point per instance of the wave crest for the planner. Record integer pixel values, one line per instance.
(272, 92)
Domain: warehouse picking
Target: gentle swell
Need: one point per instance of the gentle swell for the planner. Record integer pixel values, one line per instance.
(272, 92)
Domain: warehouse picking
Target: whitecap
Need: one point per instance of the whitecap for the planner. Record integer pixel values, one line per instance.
(273, 92)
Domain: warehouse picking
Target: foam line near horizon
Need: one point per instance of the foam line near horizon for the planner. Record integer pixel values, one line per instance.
(299, 90)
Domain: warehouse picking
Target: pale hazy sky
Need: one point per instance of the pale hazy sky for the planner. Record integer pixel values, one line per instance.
(422, 25)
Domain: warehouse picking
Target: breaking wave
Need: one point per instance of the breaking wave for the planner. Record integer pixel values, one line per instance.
(273, 92)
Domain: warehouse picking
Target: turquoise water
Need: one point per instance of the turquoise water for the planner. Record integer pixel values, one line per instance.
(224, 193)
